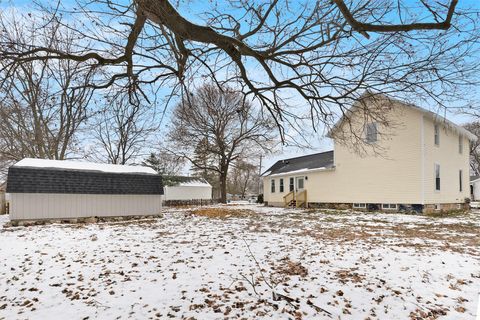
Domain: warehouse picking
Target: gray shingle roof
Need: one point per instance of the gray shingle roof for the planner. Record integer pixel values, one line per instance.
(311, 161)
(56, 180)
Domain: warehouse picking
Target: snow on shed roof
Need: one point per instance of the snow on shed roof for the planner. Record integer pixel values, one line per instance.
(182, 181)
(82, 165)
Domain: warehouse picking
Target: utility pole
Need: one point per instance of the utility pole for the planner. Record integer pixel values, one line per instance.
(259, 175)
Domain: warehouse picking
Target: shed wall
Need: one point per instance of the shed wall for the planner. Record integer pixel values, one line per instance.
(60, 206)
(188, 193)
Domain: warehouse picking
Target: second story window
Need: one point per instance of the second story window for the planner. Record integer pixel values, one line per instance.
(272, 186)
(371, 132)
(437, 177)
(437, 135)
(281, 185)
(460, 144)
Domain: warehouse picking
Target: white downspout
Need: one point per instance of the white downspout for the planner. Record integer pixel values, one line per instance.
(422, 150)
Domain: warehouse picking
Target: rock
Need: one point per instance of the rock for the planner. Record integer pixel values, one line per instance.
(90, 220)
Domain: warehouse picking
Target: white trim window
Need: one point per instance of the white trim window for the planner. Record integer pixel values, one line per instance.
(437, 134)
(460, 144)
(371, 132)
(281, 187)
(437, 177)
(291, 185)
(359, 205)
(272, 186)
(389, 206)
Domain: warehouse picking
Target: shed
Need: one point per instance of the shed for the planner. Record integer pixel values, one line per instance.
(60, 189)
(187, 188)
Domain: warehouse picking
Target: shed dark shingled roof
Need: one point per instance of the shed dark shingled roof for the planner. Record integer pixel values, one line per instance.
(59, 180)
(311, 161)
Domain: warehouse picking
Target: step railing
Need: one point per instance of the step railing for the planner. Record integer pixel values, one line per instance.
(288, 198)
(302, 199)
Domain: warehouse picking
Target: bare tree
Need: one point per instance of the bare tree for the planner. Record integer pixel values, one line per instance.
(474, 127)
(226, 126)
(43, 103)
(123, 130)
(243, 178)
(165, 163)
(283, 53)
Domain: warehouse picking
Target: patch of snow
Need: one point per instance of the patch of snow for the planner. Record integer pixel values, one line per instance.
(194, 183)
(357, 266)
(81, 165)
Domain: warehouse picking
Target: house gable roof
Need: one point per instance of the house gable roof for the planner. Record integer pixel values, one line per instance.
(431, 115)
(322, 160)
(67, 180)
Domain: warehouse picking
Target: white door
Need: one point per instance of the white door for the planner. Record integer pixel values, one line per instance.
(300, 184)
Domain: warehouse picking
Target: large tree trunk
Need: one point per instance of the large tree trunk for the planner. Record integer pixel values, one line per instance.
(223, 183)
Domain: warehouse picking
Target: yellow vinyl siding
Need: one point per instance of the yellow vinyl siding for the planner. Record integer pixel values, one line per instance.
(399, 171)
(450, 160)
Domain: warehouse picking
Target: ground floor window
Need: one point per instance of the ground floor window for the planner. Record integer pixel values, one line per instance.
(460, 180)
(281, 185)
(359, 205)
(389, 206)
(437, 177)
(272, 186)
(291, 184)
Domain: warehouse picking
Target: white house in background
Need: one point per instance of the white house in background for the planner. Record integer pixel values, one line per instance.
(475, 188)
(421, 163)
(58, 189)
(178, 188)
(3, 203)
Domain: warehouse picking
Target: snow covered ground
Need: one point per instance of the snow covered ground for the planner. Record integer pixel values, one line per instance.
(320, 265)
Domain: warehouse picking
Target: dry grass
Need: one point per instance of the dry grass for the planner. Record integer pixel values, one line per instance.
(221, 213)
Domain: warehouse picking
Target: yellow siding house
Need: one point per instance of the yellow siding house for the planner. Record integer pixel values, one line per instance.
(388, 155)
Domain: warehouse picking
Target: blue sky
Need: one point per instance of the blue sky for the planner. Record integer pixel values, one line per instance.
(191, 8)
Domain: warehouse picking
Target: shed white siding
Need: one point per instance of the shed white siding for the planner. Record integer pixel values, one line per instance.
(188, 192)
(26, 206)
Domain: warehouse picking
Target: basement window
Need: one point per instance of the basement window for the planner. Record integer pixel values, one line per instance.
(389, 206)
(360, 205)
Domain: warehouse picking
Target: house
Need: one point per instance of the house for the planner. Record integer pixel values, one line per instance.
(388, 155)
(3, 202)
(59, 189)
(475, 188)
(178, 188)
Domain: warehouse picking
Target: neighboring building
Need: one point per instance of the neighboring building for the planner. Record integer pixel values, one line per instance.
(420, 162)
(475, 188)
(56, 189)
(179, 188)
(3, 202)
